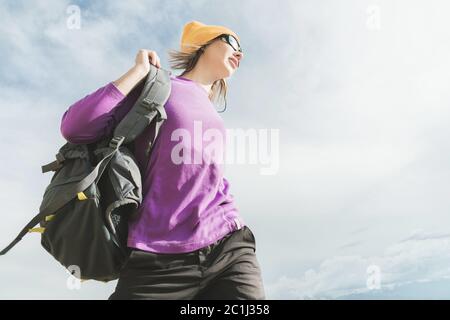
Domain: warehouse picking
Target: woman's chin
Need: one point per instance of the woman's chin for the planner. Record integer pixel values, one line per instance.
(229, 72)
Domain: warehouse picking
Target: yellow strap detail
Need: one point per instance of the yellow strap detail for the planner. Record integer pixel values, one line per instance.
(81, 196)
(38, 229)
(50, 217)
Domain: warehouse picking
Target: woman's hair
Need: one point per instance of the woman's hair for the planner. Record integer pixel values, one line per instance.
(187, 62)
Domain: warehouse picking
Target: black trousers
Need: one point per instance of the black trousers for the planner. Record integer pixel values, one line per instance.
(226, 269)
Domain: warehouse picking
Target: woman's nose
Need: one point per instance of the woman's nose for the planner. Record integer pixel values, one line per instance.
(238, 56)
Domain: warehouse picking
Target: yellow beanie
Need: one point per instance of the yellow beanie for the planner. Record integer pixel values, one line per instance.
(197, 33)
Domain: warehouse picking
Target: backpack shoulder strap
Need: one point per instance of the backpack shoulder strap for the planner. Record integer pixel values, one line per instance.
(148, 107)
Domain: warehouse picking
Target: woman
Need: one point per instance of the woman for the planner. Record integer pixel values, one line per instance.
(188, 240)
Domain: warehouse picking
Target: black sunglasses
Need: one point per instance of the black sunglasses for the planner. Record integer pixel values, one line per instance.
(228, 38)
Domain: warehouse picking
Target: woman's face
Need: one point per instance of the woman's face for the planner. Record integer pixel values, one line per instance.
(222, 58)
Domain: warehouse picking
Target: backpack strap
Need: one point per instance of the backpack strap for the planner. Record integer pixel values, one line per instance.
(149, 107)
(24, 231)
(55, 165)
(158, 124)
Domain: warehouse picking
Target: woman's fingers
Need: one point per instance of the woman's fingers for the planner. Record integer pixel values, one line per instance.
(154, 59)
(146, 57)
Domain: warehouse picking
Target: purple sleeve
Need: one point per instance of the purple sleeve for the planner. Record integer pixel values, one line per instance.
(94, 116)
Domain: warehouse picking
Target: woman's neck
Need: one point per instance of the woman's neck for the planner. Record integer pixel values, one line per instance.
(200, 79)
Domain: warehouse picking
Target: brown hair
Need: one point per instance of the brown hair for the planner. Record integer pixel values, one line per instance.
(187, 62)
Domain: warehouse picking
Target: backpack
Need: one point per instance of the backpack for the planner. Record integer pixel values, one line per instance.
(96, 189)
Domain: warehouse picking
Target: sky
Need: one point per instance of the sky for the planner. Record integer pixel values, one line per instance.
(357, 90)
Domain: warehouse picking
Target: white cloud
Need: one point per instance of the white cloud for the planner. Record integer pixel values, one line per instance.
(423, 257)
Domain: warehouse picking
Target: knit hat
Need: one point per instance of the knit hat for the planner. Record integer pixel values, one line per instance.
(197, 33)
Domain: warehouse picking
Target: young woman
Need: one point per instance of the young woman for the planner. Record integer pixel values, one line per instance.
(188, 240)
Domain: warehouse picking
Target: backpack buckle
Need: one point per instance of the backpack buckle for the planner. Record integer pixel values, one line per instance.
(150, 105)
(116, 141)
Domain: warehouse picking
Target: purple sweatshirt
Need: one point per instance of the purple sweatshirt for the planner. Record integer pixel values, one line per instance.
(187, 202)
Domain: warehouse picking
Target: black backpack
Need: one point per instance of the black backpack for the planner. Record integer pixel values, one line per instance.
(96, 188)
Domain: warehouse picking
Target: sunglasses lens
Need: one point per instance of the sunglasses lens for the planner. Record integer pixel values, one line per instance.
(234, 43)
(231, 41)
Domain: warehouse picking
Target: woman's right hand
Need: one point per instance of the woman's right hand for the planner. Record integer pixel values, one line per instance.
(139, 71)
(143, 59)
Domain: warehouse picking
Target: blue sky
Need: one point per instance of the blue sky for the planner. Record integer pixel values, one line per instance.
(358, 90)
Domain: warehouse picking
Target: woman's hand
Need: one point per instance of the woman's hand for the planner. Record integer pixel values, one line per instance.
(143, 59)
(141, 68)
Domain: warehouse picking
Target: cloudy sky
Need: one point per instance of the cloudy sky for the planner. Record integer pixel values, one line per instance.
(357, 89)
